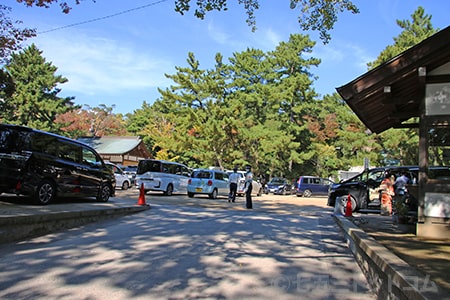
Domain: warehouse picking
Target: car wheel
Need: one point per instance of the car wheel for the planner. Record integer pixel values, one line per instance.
(190, 195)
(342, 200)
(45, 193)
(169, 190)
(213, 195)
(307, 193)
(125, 185)
(104, 193)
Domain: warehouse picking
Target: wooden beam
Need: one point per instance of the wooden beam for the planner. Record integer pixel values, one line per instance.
(403, 115)
(407, 125)
(438, 79)
(396, 100)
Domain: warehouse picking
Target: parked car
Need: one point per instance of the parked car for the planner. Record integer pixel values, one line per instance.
(257, 188)
(278, 186)
(363, 188)
(165, 176)
(208, 182)
(307, 186)
(122, 180)
(45, 165)
(131, 171)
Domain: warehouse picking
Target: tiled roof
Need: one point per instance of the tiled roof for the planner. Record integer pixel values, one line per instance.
(112, 144)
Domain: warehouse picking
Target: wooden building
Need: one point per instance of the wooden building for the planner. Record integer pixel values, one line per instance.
(414, 85)
(121, 150)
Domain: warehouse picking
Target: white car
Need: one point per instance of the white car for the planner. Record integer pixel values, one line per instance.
(256, 186)
(122, 180)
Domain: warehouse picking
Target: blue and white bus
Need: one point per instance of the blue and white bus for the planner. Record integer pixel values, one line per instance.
(164, 176)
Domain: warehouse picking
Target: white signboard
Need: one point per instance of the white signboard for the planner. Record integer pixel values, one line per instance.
(437, 99)
(437, 205)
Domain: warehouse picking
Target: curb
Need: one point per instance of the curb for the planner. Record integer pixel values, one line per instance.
(17, 228)
(389, 276)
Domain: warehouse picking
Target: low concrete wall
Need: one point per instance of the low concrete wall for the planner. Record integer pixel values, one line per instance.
(23, 227)
(389, 276)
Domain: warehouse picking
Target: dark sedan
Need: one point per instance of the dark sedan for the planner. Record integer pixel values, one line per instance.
(278, 186)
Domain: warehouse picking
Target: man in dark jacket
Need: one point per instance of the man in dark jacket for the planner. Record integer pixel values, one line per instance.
(248, 186)
(234, 180)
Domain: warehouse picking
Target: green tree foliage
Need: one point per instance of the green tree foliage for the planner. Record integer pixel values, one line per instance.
(318, 15)
(260, 108)
(251, 110)
(34, 101)
(295, 96)
(413, 33)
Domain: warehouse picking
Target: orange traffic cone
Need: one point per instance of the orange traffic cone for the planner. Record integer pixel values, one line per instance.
(141, 200)
(348, 207)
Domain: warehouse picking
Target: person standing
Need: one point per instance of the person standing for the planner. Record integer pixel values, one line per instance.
(386, 193)
(248, 186)
(400, 184)
(233, 179)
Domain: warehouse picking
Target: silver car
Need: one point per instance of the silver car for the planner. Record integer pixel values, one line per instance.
(210, 182)
(122, 180)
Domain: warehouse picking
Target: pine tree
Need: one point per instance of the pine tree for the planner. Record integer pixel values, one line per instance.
(34, 102)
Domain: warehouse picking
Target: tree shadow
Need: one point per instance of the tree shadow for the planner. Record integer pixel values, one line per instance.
(187, 252)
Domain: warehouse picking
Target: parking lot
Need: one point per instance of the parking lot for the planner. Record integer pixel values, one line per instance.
(269, 202)
(407, 246)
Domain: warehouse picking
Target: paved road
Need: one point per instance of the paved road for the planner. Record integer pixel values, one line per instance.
(285, 248)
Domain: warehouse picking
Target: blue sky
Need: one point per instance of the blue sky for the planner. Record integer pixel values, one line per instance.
(121, 60)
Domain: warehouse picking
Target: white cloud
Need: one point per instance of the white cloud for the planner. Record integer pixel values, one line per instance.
(269, 40)
(98, 65)
(217, 34)
(345, 52)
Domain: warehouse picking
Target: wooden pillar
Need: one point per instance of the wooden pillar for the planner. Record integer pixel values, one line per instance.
(423, 147)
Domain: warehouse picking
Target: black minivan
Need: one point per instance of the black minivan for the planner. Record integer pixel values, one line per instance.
(363, 188)
(45, 165)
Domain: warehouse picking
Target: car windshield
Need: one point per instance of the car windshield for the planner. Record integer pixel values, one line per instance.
(131, 168)
(276, 181)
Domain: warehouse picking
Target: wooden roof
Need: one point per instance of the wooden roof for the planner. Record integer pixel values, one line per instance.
(392, 93)
(116, 145)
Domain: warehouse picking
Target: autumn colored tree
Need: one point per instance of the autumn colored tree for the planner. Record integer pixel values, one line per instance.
(11, 36)
(66, 7)
(91, 121)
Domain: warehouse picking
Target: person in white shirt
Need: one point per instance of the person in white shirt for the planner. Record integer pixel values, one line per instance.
(400, 184)
(233, 179)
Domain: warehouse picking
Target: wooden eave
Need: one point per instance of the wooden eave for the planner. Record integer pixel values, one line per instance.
(392, 93)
